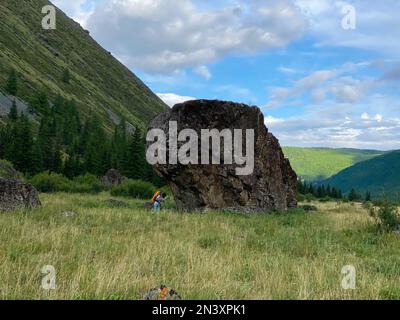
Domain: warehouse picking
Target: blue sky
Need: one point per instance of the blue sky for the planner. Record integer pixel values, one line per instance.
(318, 83)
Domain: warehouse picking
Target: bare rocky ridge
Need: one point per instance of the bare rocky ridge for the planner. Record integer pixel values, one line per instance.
(271, 186)
(17, 194)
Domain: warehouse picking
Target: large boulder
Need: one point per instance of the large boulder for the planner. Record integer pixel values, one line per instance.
(271, 185)
(17, 194)
(112, 178)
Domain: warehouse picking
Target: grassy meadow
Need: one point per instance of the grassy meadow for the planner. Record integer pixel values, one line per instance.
(113, 253)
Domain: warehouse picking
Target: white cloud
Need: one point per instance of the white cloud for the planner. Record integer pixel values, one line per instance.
(336, 84)
(172, 99)
(74, 9)
(377, 26)
(160, 36)
(204, 72)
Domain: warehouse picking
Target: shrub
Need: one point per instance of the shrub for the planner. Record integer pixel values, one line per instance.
(7, 171)
(135, 189)
(87, 183)
(387, 216)
(300, 197)
(51, 182)
(309, 197)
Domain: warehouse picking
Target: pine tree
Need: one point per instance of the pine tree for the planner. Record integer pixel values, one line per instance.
(12, 83)
(135, 162)
(66, 77)
(353, 195)
(367, 196)
(13, 115)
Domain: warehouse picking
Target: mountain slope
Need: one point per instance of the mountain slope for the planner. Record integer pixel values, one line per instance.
(99, 83)
(380, 176)
(315, 164)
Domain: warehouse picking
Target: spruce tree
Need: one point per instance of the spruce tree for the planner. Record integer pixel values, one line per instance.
(13, 115)
(66, 77)
(12, 83)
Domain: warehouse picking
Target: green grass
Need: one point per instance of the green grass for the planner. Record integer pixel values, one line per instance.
(99, 82)
(315, 164)
(108, 253)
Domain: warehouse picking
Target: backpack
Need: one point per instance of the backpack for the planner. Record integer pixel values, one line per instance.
(155, 197)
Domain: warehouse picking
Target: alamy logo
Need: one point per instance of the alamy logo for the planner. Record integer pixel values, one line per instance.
(49, 280)
(188, 153)
(349, 280)
(349, 21)
(49, 20)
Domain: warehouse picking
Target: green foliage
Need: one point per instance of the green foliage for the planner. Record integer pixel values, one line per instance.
(87, 183)
(316, 164)
(134, 189)
(387, 216)
(50, 182)
(54, 182)
(99, 80)
(7, 171)
(379, 176)
(66, 77)
(12, 83)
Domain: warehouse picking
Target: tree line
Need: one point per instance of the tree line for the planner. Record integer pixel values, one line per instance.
(64, 143)
(321, 191)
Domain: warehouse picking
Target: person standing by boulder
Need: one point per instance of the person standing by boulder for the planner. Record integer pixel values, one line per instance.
(158, 198)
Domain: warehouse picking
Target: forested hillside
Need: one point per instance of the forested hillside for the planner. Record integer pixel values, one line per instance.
(380, 176)
(68, 62)
(316, 164)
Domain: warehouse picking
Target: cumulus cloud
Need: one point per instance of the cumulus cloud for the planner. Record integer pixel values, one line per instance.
(172, 99)
(320, 85)
(203, 72)
(377, 24)
(160, 36)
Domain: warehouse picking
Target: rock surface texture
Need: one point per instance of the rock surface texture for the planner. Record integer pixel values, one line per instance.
(112, 178)
(271, 186)
(17, 194)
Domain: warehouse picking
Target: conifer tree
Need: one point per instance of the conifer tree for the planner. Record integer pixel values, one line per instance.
(12, 83)
(13, 115)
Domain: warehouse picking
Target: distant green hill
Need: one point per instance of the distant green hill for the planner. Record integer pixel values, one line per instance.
(99, 83)
(380, 176)
(316, 164)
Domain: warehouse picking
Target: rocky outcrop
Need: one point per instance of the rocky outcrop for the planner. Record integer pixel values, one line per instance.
(112, 178)
(17, 194)
(270, 186)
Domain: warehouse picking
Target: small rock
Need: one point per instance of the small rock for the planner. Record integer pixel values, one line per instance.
(69, 214)
(161, 293)
(112, 178)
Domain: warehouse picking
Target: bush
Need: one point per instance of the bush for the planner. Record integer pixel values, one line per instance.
(309, 197)
(387, 216)
(54, 182)
(134, 189)
(51, 182)
(87, 183)
(7, 171)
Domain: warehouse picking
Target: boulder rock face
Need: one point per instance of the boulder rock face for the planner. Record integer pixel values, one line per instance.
(17, 194)
(270, 186)
(112, 178)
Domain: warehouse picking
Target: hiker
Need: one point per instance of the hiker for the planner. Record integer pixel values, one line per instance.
(158, 198)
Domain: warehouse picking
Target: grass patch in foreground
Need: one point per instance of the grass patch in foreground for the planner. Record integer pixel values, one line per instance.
(110, 253)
